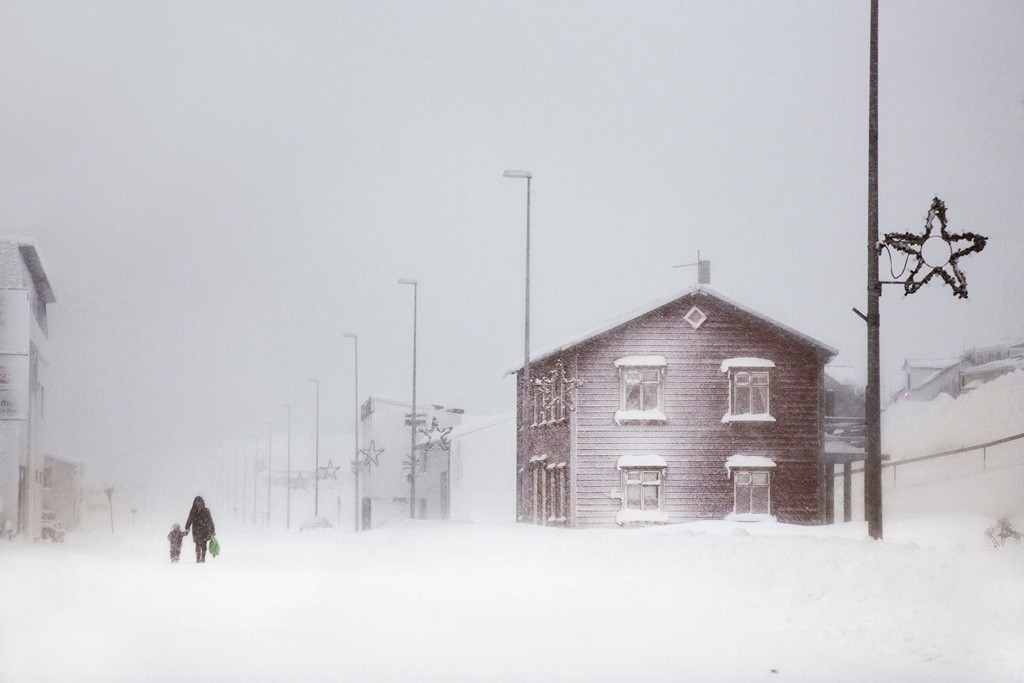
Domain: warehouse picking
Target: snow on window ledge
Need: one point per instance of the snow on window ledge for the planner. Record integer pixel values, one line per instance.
(641, 362)
(760, 462)
(746, 363)
(749, 517)
(650, 460)
(635, 416)
(748, 417)
(635, 516)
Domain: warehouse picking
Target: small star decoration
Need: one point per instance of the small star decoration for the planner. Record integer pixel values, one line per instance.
(436, 436)
(329, 470)
(915, 245)
(370, 455)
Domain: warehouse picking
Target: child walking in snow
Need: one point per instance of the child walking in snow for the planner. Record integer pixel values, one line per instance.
(175, 538)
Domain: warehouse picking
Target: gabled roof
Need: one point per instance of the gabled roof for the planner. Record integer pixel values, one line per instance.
(699, 290)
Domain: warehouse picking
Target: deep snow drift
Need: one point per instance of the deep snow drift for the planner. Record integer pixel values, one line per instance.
(427, 601)
(424, 601)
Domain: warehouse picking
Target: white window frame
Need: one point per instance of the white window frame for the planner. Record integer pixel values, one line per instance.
(650, 471)
(745, 478)
(653, 367)
(748, 369)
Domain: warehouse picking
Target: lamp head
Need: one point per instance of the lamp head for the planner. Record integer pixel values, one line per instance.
(513, 173)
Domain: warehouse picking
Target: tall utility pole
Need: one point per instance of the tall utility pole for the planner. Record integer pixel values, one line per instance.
(526, 403)
(872, 394)
(316, 468)
(412, 422)
(270, 453)
(288, 466)
(245, 485)
(355, 435)
(255, 476)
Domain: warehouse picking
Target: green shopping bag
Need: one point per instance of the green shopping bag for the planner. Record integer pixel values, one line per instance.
(214, 547)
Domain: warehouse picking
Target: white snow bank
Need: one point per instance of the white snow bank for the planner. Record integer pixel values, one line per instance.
(993, 411)
(465, 602)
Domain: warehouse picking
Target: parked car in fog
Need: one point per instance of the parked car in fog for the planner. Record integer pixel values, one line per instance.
(51, 527)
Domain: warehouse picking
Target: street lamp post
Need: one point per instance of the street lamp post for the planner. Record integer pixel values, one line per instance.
(512, 173)
(288, 466)
(255, 475)
(245, 483)
(412, 425)
(316, 468)
(355, 435)
(270, 455)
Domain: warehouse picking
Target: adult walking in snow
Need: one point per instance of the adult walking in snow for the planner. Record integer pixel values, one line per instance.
(200, 521)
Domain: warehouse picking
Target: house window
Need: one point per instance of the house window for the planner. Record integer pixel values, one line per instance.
(752, 492)
(749, 393)
(643, 478)
(640, 389)
(643, 490)
(749, 389)
(751, 475)
(557, 504)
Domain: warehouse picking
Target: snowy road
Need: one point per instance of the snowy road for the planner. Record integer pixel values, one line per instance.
(434, 602)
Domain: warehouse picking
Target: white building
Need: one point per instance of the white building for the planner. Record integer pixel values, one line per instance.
(385, 485)
(24, 376)
(474, 480)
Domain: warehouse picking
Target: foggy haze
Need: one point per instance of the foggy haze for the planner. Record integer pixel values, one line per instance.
(220, 191)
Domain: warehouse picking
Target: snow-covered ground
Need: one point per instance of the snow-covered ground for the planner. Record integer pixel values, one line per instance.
(431, 601)
(428, 601)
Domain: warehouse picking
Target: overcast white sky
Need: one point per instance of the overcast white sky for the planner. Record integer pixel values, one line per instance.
(220, 190)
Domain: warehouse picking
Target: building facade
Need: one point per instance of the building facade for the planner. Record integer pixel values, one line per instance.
(25, 293)
(386, 439)
(692, 408)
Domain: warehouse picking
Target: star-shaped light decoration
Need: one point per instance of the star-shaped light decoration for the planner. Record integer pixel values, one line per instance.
(556, 388)
(436, 436)
(299, 482)
(370, 454)
(329, 470)
(936, 252)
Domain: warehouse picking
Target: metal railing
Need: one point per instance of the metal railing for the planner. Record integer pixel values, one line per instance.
(983, 447)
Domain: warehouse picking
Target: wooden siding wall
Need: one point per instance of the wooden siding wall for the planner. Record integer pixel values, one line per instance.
(694, 441)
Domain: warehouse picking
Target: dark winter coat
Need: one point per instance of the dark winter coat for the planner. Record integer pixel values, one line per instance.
(200, 521)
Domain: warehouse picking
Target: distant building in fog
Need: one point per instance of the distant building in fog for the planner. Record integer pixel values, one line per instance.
(472, 481)
(386, 424)
(25, 293)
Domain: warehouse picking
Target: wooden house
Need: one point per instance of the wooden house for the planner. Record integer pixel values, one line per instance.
(693, 408)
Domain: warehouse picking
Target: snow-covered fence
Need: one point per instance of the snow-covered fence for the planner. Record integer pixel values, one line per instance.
(986, 478)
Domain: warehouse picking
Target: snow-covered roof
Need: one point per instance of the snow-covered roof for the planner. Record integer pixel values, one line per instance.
(748, 461)
(930, 363)
(1001, 365)
(649, 460)
(641, 361)
(29, 250)
(730, 363)
(696, 290)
